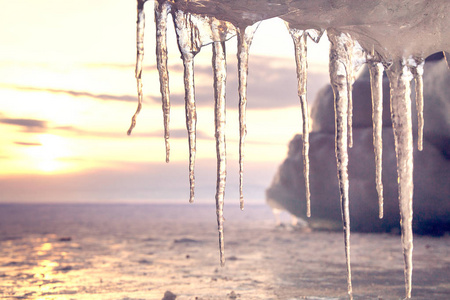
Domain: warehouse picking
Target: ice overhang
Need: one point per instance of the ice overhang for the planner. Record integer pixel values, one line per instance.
(391, 28)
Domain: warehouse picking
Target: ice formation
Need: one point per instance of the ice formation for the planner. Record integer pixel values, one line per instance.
(376, 70)
(220, 76)
(245, 37)
(341, 80)
(299, 38)
(392, 36)
(161, 11)
(140, 26)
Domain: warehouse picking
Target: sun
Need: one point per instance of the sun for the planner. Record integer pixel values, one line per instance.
(48, 158)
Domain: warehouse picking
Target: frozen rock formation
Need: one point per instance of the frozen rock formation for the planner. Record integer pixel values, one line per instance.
(432, 165)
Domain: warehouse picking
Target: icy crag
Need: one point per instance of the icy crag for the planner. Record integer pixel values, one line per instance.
(396, 36)
(432, 164)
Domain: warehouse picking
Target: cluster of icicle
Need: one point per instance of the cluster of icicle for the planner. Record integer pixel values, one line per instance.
(346, 57)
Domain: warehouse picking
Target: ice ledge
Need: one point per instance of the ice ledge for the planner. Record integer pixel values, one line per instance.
(392, 28)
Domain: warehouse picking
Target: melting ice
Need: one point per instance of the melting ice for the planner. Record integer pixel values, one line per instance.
(385, 37)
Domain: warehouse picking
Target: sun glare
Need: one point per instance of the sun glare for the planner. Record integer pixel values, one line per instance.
(48, 157)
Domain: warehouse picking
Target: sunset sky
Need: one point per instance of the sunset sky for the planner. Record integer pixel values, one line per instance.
(67, 94)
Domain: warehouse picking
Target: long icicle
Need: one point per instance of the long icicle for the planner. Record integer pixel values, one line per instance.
(376, 83)
(339, 67)
(348, 44)
(140, 26)
(189, 44)
(244, 37)
(400, 77)
(417, 71)
(220, 74)
(299, 38)
(162, 8)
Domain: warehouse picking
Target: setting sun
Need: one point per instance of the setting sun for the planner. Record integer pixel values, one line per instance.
(48, 154)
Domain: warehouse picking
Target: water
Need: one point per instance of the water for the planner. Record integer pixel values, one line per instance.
(105, 251)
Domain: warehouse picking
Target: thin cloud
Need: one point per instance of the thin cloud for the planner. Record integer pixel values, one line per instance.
(174, 133)
(27, 144)
(103, 97)
(174, 66)
(29, 125)
(39, 126)
(271, 84)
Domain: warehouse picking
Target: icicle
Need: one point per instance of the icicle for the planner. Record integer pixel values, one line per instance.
(359, 59)
(447, 58)
(400, 77)
(348, 45)
(244, 37)
(189, 43)
(356, 58)
(299, 38)
(339, 67)
(314, 34)
(376, 83)
(162, 9)
(417, 71)
(140, 26)
(220, 75)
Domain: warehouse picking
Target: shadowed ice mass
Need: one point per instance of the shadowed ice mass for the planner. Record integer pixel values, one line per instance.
(432, 165)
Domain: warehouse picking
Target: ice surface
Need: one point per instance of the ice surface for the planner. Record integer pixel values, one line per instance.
(400, 34)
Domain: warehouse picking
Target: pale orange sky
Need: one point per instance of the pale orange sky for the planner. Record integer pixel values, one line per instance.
(67, 93)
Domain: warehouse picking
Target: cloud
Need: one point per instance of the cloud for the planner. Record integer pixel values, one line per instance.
(174, 133)
(272, 83)
(174, 66)
(27, 144)
(103, 97)
(30, 125)
(39, 126)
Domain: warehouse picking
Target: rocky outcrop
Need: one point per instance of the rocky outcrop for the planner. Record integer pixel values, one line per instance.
(431, 166)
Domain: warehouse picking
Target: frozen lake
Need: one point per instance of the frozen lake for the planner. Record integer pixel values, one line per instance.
(143, 251)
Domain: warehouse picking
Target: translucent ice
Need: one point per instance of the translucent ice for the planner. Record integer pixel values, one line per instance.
(162, 8)
(339, 66)
(447, 57)
(193, 32)
(189, 44)
(400, 76)
(376, 82)
(140, 26)
(299, 38)
(417, 71)
(220, 75)
(245, 37)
